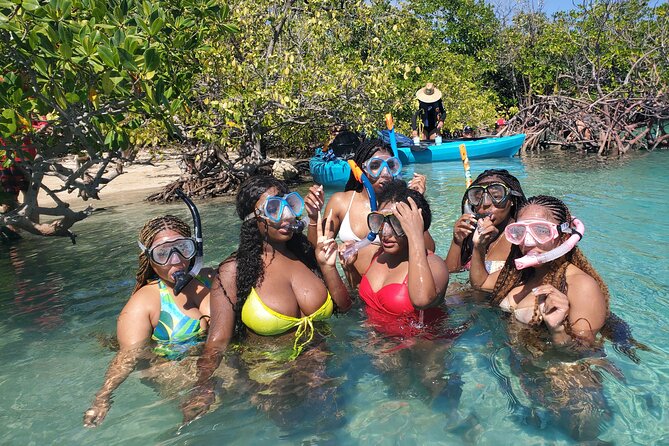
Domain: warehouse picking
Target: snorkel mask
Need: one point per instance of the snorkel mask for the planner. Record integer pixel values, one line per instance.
(516, 233)
(274, 208)
(183, 278)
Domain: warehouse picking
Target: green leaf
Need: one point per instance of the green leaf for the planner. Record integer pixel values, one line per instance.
(108, 56)
(156, 26)
(107, 84)
(30, 5)
(72, 98)
(151, 60)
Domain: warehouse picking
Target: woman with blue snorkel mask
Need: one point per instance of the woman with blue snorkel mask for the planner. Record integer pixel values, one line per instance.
(350, 208)
(272, 292)
(176, 322)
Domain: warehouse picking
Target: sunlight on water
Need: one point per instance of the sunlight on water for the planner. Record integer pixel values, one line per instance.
(60, 302)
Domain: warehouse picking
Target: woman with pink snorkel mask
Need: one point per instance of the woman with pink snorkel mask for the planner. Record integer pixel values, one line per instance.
(546, 280)
(555, 298)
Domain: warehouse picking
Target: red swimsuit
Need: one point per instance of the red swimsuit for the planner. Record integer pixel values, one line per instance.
(390, 309)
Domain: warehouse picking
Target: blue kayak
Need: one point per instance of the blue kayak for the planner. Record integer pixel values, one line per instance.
(334, 173)
(479, 148)
(329, 172)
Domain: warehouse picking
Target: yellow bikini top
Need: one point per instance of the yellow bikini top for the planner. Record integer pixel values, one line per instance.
(266, 322)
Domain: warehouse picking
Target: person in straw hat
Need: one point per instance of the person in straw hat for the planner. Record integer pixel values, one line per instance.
(429, 119)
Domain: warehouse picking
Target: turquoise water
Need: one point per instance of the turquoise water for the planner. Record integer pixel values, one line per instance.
(57, 300)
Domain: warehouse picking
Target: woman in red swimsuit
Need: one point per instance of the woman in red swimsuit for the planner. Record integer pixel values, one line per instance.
(404, 283)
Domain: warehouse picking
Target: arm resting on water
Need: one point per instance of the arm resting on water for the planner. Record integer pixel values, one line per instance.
(133, 331)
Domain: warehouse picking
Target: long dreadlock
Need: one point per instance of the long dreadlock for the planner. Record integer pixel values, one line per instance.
(365, 151)
(517, 201)
(151, 228)
(250, 267)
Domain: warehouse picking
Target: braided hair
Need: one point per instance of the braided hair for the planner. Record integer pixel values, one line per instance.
(510, 277)
(517, 201)
(151, 228)
(250, 266)
(365, 151)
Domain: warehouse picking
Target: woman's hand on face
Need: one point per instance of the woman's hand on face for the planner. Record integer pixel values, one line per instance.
(97, 412)
(463, 227)
(418, 183)
(556, 306)
(326, 246)
(411, 219)
(486, 232)
(314, 201)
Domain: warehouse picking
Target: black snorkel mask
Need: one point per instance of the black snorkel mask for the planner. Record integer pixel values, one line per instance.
(183, 278)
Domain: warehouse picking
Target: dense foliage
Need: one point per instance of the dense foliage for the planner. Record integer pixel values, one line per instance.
(263, 77)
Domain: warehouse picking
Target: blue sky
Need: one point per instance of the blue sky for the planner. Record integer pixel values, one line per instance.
(548, 6)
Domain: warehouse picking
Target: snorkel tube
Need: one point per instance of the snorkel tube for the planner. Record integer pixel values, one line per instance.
(468, 176)
(183, 278)
(362, 178)
(533, 260)
(391, 134)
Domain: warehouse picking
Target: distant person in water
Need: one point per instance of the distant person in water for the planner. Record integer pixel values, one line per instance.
(428, 120)
(500, 126)
(467, 132)
(176, 323)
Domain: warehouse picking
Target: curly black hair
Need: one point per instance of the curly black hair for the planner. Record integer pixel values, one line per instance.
(365, 151)
(397, 191)
(250, 267)
(517, 201)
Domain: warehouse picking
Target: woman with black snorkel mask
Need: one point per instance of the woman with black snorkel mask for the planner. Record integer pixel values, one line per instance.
(272, 292)
(350, 208)
(176, 322)
(488, 205)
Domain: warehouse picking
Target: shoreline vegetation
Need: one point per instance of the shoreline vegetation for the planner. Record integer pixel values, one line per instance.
(231, 93)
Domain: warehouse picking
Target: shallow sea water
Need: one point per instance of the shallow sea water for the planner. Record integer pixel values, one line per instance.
(59, 302)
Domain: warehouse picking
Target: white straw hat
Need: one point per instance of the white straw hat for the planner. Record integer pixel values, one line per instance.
(428, 93)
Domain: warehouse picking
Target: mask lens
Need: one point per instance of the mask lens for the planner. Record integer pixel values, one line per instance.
(541, 232)
(273, 208)
(475, 195)
(497, 193)
(375, 166)
(295, 202)
(396, 225)
(375, 221)
(515, 233)
(394, 166)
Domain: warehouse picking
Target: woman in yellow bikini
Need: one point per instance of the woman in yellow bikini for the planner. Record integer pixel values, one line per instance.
(272, 292)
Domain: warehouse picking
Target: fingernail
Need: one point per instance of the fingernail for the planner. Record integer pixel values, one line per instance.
(534, 290)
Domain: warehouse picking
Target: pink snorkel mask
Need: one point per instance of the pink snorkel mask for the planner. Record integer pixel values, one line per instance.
(576, 229)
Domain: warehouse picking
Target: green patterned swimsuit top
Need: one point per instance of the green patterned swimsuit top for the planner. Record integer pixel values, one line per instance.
(175, 332)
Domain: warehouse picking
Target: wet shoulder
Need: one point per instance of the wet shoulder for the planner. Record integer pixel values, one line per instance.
(580, 283)
(144, 300)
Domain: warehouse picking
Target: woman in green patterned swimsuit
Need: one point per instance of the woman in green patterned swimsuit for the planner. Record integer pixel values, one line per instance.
(175, 323)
